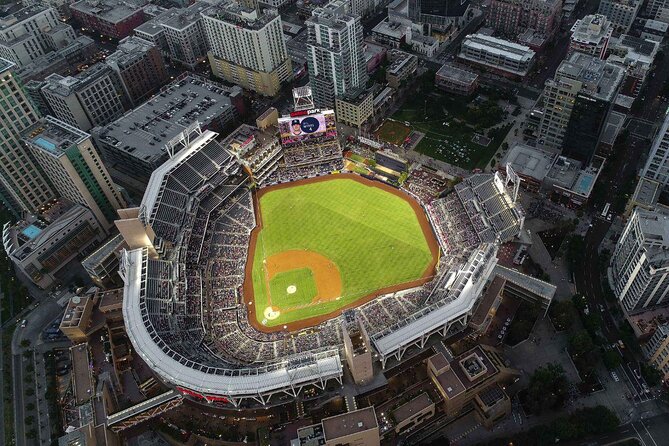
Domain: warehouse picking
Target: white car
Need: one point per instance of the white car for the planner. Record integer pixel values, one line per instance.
(24, 322)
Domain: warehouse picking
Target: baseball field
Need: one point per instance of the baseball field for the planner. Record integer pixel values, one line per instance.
(330, 243)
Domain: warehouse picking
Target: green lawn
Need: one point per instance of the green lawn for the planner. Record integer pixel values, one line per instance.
(449, 123)
(393, 132)
(302, 279)
(373, 237)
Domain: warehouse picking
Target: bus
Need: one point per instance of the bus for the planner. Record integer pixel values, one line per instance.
(606, 210)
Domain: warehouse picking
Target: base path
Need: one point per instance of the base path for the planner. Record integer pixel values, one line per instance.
(326, 273)
(249, 297)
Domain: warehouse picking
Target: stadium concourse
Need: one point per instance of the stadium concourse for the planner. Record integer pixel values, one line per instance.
(184, 275)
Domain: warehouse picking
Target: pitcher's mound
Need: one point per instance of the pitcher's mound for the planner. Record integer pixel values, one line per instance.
(291, 289)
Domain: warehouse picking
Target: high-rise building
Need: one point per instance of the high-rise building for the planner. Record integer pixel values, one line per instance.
(140, 67)
(657, 165)
(247, 47)
(184, 34)
(23, 186)
(621, 13)
(514, 17)
(591, 35)
(92, 97)
(73, 165)
(656, 350)
(336, 54)
(640, 262)
(32, 32)
(587, 84)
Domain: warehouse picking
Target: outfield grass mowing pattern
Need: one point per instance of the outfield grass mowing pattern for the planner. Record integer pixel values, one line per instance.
(373, 236)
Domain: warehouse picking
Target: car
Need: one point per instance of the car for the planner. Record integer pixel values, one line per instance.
(645, 387)
(61, 372)
(500, 337)
(508, 320)
(637, 373)
(614, 375)
(24, 322)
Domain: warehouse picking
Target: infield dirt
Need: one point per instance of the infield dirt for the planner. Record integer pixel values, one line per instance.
(248, 292)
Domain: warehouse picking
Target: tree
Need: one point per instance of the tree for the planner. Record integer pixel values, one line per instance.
(30, 419)
(30, 407)
(25, 343)
(652, 375)
(580, 343)
(563, 314)
(611, 359)
(548, 388)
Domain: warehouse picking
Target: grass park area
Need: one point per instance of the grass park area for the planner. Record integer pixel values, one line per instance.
(325, 245)
(449, 123)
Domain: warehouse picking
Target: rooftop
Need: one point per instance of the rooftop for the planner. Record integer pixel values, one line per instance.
(591, 29)
(349, 423)
(489, 44)
(392, 29)
(416, 405)
(129, 50)
(144, 131)
(54, 136)
(67, 85)
(454, 73)
(529, 161)
(400, 60)
(238, 15)
(600, 79)
(113, 11)
(333, 15)
(182, 18)
(13, 18)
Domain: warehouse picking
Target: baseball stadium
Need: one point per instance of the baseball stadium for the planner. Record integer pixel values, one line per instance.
(255, 260)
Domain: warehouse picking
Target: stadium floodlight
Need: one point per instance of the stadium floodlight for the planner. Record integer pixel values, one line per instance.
(303, 99)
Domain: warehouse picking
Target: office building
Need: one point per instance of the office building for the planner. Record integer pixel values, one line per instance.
(636, 56)
(256, 148)
(102, 264)
(23, 186)
(140, 67)
(77, 318)
(358, 427)
(90, 98)
(657, 165)
(32, 32)
(512, 18)
(336, 58)
(458, 80)
(72, 163)
(589, 84)
(355, 108)
(640, 262)
(439, 14)
(134, 145)
(656, 350)
(654, 30)
(621, 13)
(497, 55)
(43, 244)
(402, 68)
(63, 61)
(247, 47)
(591, 35)
(474, 373)
(184, 34)
(111, 18)
(413, 413)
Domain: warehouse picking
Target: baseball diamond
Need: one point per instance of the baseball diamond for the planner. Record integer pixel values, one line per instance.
(330, 243)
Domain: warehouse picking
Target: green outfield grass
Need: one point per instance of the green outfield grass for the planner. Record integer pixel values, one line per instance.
(373, 237)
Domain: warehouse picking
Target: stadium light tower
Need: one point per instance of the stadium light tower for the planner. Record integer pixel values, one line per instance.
(303, 99)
